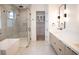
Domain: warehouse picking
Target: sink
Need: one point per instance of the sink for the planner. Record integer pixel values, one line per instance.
(76, 45)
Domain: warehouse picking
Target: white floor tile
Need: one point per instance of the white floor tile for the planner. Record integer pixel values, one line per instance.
(37, 48)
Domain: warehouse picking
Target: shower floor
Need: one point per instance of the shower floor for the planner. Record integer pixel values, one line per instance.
(23, 42)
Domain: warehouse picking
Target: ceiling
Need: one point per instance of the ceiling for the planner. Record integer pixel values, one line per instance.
(24, 6)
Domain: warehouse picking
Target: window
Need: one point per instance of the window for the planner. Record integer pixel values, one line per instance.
(11, 19)
(11, 15)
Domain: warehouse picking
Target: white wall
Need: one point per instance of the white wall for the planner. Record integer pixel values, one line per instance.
(72, 26)
(34, 8)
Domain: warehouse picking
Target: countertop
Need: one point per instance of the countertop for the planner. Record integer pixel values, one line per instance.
(68, 38)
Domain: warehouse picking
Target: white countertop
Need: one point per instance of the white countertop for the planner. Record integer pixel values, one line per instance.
(68, 38)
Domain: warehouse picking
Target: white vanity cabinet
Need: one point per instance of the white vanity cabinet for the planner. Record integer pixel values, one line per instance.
(60, 47)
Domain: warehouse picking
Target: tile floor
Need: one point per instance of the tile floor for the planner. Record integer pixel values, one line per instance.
(37, 48)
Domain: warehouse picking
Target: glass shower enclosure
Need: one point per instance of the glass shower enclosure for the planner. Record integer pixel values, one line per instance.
(19, 26)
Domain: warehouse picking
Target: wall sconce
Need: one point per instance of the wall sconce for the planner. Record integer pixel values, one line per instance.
(58, 17)
(65, 14)
(63, 24)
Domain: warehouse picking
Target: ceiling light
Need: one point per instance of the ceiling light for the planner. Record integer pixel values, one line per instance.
(21, 6)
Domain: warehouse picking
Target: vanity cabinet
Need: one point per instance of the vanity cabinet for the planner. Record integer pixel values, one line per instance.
(60, 47)
(69, 51)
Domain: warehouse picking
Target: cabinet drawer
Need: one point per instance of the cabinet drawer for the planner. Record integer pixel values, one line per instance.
(69, 51)
(57, 44)
(60, 47)
(52, 39)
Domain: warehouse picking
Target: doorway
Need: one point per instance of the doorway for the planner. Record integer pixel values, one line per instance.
(40, 25)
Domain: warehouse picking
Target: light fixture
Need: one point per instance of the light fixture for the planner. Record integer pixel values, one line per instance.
(58, 17)
(59, 13)
(65, 14)
(62, 25)
(20, 6)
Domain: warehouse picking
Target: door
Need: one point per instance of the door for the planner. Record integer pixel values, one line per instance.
(40, 25)
(29, 28)
(24, 27)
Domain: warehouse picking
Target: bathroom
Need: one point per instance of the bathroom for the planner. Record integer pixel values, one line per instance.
(18, 29)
